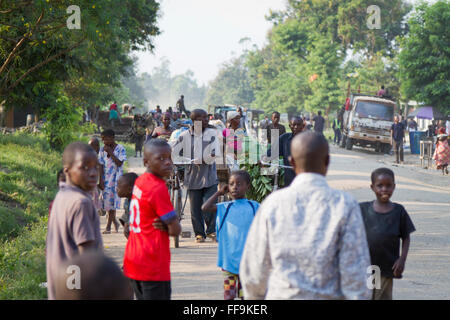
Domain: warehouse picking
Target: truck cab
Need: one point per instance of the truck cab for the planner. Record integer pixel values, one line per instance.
(252, 115)
(367, 122)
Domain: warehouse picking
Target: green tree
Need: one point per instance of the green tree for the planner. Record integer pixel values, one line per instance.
(369, 74)
(164, 89)
(302, 67)
(278, 80)
(97, 79)
(63, 123)
(232, 84)
(185, 84)
(323, 66)
(35, 41)
(345, 21)
(424, 59)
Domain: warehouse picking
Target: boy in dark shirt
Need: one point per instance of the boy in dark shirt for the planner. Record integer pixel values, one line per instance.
(275, 125)
(386, 223)
(397, 138)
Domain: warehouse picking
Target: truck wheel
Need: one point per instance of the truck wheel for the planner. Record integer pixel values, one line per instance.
(386, 148)
(349, 144)
(378, 148)
(344, 141)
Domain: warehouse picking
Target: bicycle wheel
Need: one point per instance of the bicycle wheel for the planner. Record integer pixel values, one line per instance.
(176, 241)
(178, 209)
(178, 204)
(275, 182)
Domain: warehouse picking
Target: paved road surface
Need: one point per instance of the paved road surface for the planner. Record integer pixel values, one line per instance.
(424, 193)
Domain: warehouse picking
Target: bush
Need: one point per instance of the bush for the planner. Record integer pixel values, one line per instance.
(64, 124)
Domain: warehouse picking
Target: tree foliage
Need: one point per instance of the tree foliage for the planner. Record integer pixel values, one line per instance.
(162, 88)
(424, 59)
(345, 22)
(37, 48)
(304, 66)
(232, 84)
(369, 75)
(64, 123)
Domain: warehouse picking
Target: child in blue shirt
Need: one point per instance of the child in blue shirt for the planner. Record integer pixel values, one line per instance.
(234, 219)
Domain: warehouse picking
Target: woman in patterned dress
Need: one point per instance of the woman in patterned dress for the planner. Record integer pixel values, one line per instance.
(111, 158)
(442, 153)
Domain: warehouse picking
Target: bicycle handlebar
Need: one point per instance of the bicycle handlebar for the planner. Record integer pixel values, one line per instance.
(276, 165)
(187, 161)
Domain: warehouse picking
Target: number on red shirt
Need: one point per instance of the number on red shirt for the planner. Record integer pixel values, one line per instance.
(135, 216)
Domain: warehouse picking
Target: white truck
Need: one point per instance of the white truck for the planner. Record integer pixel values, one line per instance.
(367, 122)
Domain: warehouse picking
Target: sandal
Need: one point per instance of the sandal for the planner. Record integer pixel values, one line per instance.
(212, 236)
(106, 232)
(199, 239)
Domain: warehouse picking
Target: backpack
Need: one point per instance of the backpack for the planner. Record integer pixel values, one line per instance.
(228, 210)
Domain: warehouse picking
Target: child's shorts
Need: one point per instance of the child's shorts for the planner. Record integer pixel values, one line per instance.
(231, 286)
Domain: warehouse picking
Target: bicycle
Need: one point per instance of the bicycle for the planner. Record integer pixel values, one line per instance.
(175, 190)
(276, 165)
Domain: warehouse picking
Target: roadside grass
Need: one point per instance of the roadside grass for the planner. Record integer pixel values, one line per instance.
(22, 264)
(329, 134)
(28, 170)
(129, 147)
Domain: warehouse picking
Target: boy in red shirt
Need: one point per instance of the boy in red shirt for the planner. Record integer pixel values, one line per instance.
(147, 254)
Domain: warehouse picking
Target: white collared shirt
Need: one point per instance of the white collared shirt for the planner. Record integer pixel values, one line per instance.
(307, 241)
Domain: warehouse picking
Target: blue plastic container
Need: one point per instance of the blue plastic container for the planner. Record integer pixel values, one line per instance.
(414, 140)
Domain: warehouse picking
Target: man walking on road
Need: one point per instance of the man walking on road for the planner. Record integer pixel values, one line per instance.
(200, 177)
(313, 246)
(397, 139)
(337, 124)
(181, 108)
(319, 123)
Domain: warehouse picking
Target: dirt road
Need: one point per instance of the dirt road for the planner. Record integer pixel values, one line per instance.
(424, 193)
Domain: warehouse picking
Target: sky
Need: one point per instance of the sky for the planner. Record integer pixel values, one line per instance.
(200, 35)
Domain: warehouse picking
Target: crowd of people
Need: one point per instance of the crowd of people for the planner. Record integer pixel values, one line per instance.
(317, 245)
